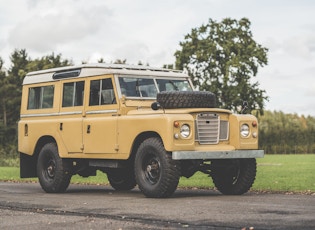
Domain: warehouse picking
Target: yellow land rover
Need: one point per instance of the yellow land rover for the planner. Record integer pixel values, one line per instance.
(140, 125)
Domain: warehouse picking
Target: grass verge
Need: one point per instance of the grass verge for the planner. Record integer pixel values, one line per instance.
(275, 173)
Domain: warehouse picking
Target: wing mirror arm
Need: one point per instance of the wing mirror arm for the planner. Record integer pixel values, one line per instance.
(156, 106)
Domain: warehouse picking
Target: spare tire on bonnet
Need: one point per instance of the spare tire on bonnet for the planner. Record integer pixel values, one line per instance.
(186, 99)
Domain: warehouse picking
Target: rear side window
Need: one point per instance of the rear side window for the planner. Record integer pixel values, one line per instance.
(41, 97)
(73, 94)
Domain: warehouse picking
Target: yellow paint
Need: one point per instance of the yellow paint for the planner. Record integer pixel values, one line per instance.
(109, 131)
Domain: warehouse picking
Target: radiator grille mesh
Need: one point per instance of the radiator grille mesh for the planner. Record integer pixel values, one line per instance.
(210, 130)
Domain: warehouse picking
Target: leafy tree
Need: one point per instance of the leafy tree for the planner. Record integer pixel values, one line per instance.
(21, 65)
(11, 85)
(222, 57)
(11, 91)
(7, 91)
(18, 70)
(7, 128)
(47, 62)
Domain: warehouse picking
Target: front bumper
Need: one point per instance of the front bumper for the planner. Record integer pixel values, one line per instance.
(235, 154)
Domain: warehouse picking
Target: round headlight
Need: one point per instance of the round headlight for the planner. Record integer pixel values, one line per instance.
(244, 130)
(185, 131)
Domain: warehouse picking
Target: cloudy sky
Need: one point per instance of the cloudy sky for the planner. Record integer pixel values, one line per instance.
(150, 31)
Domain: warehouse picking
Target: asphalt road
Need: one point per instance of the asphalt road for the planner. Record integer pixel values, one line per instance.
(26, 206)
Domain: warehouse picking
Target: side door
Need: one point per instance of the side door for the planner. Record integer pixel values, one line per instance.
(71, 115)
(100, 121)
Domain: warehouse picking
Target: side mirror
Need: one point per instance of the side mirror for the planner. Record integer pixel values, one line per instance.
(155, 106)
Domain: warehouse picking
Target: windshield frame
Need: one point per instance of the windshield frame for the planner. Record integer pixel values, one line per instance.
(154, 78)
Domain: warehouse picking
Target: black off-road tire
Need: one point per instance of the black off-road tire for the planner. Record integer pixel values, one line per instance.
(186, 99)
(233, 177)
(157, 174)
(122, 179)
(54, 173)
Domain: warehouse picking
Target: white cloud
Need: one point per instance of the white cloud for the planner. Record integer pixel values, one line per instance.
(150, 31)
(133, 51)
(301, 46)
(54, 26)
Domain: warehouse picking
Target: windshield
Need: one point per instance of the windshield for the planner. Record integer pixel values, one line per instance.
(149, 87)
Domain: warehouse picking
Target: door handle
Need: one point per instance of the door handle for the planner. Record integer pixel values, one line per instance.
(88, 130)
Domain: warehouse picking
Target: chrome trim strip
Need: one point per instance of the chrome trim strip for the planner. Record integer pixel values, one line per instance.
(102, 111)
(39, 115)
(188, 155)
(68, 113)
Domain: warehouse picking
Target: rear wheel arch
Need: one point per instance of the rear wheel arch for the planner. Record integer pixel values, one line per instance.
(28, 163)
(41, 143)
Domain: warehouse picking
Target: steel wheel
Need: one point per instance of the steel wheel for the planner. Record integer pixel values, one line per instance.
(54, 173)
(151, 169)
(157, 174)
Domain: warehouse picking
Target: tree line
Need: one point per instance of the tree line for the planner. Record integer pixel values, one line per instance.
(11, 92)
(278, 132)
(221, 57)
(282, 133)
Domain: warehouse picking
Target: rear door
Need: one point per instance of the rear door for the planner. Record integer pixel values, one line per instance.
(71, 112)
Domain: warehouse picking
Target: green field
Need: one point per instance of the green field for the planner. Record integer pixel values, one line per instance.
(275, 173)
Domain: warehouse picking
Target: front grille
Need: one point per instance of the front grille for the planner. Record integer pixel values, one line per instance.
(224, 130)
(209, 128)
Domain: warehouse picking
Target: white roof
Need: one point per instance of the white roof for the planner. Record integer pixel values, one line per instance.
(97, 69)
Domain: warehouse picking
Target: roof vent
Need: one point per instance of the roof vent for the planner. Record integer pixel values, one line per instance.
(66, 74)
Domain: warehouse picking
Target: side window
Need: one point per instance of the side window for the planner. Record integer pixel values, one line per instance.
(73, 94)
(137, 87)
(41, 97)
(102, 92)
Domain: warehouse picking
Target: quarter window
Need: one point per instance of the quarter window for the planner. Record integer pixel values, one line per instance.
(73, 94)
(41, 97)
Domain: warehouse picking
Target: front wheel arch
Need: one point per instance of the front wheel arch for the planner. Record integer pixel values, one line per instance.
(139, 139)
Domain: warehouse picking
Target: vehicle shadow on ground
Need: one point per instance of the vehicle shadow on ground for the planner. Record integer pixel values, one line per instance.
(103, 190)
